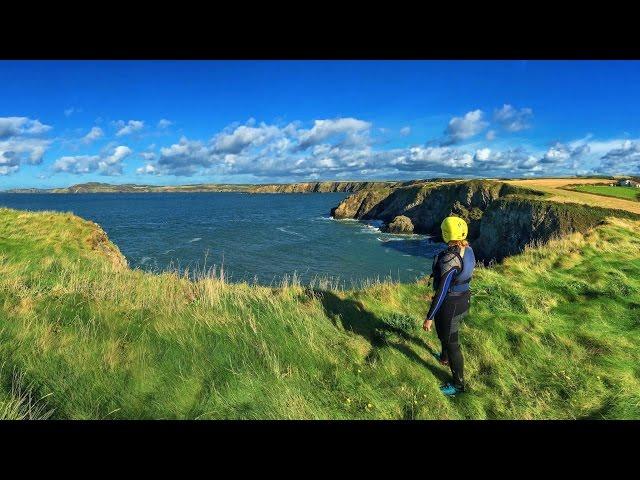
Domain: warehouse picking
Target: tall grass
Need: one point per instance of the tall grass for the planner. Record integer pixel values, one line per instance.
(553, 333)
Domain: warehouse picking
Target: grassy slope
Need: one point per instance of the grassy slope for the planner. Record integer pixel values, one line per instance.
(553, 333)
(557, 190)
(628, 193)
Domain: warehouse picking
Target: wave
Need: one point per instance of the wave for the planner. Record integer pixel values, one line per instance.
(284, 230)
(197, 239)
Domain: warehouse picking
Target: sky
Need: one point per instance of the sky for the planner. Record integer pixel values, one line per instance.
(178, 122)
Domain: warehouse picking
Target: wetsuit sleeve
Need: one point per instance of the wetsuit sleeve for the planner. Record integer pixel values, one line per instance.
(448, 266)
(438, 297)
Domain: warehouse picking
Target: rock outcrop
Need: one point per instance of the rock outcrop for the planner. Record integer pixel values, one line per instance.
(502, 219)
(400, 224)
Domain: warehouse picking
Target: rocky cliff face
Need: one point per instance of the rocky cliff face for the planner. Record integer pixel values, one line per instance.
(319, 187)
(425, 204)
(502, 219)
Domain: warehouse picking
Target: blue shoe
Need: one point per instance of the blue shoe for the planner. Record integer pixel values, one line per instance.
(450, 390)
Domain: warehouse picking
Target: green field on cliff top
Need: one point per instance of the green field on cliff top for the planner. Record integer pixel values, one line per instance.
(553, 333)
(628, 193)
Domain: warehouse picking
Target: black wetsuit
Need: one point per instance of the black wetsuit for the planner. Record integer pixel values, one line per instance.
(450, 304)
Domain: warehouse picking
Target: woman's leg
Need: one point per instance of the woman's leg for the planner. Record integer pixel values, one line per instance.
(451, 313)
(456, 360)
(442, 327)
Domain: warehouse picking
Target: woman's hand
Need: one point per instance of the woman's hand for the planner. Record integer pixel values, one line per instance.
(427, 325)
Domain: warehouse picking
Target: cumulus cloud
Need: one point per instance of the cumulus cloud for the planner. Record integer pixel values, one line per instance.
(164, 123)
(352, 129)
(462, 128)
(129, 127)
(512, 119)
(94, 134)
(243, 137)
(291, 152)
(185, 158)
(21, 143)
(404, 131)
(17, 151)
(622, 160)
(17, 126)
(104, 164)
(147, 169)
(482, 155)
(570, 155)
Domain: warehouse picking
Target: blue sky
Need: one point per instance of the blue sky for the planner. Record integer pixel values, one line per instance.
(178, 122)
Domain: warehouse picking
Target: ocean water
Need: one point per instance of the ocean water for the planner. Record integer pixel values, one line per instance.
(255, 238)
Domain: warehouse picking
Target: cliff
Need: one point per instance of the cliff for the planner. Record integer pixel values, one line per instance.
(502, 219)
(309, 187)
(318, 187)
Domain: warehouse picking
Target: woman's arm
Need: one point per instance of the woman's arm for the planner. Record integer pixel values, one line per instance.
(448, 266)
(441, 293)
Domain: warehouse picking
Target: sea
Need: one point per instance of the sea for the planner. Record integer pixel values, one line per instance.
(257, 238)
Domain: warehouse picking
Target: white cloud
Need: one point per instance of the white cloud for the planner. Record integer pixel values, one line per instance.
(622, 160)
(147, 169)
(491, 135)
(21, 143)
(263, 151)
(94, 134)
(430, 158)
(243, 137)
(560, 153)
(482, 154)
(404, 131)
(461, 128)
(17, 126)
(129, 127)
(164, 123)
(186, 157)
(105, 164)
(512, 119)
(322, 130)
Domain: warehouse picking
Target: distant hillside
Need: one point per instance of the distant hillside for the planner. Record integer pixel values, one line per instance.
(308, 187)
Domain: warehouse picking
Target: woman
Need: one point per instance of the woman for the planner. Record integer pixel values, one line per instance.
(452, 271)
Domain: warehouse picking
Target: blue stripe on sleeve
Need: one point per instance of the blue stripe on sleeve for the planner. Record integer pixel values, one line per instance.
(443, 292)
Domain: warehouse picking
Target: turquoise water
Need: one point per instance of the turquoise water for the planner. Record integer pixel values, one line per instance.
(255, 237)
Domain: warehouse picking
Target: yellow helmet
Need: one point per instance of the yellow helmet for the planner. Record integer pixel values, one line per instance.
(454, 228)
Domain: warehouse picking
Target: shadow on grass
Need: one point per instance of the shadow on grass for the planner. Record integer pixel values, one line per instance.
(354, 317)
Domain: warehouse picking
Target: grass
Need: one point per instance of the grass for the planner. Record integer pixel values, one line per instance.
(627, 193)
(557, 190)
(553, 333)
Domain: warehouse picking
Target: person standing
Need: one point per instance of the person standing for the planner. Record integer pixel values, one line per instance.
(451, 273)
